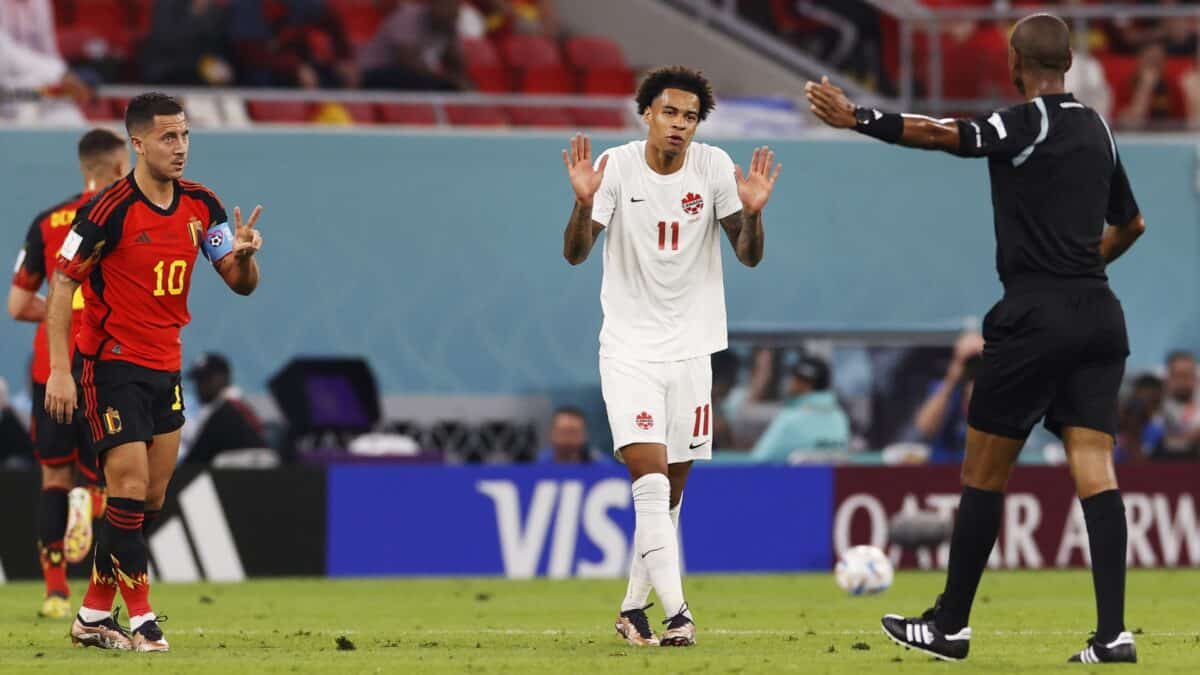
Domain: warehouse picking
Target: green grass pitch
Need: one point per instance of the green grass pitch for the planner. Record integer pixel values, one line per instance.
(1024, 622)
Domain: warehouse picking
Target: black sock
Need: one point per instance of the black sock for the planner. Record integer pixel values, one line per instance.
(151, 517)
(1107, 537)
(52, 516)
(975, 529)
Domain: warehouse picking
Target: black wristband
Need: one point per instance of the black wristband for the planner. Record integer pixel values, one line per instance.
(887, 127)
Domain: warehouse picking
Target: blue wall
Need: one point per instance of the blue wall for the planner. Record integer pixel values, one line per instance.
(439, 257)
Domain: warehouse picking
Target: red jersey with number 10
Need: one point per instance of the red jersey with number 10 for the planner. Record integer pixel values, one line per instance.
(137, 260)
(37, 260)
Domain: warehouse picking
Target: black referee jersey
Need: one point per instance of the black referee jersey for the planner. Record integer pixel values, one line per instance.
(1057, 178)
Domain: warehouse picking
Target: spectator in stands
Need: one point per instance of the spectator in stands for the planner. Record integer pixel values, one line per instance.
(416, 48)
(1181, 409)
(811, 421)
(1151, 100)
(186, 44)
(291, 43)
(224, 421)
(504, 17)
(46, 92)
(1141, 429)
(568, 439)
(941, 421)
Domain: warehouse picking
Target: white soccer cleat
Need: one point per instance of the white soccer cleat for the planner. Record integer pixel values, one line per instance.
(78, 540)
(634, 627)
(105, 634)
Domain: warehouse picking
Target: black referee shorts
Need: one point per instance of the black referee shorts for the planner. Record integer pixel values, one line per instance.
(1052, 352)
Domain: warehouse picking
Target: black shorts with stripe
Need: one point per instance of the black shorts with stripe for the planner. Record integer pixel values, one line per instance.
(1055, 351)
(126, 403)
(57, 444)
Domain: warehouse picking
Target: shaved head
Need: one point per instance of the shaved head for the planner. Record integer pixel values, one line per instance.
(1043, 41)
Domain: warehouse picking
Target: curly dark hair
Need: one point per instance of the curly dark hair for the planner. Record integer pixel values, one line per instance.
(676, 77)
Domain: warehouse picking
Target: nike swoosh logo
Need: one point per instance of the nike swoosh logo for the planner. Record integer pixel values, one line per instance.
(652, 551)
(635, 201)
(693, 447)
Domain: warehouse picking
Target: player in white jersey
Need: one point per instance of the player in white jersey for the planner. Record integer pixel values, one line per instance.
(663, 295)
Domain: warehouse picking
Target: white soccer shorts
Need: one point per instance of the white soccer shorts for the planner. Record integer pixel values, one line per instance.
(669, 403)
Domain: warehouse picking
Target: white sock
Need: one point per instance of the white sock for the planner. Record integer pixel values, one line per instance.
(638, 592)
(135, 622)
(654, 539)
(90, 615)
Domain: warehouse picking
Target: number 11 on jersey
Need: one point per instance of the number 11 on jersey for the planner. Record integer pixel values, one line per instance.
(662, 236)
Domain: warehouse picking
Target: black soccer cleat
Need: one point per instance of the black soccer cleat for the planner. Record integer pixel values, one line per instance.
(1121, 650)
(923, 635)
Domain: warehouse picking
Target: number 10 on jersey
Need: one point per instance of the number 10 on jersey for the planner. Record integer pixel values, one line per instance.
(662, 236)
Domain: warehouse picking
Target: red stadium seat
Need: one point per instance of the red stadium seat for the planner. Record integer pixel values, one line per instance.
(476, 116)
(64, 12)
(589, 52)
(360, 17)
(102, 110)
(361, 112)
(1119, 71)
(601, 64)
(484, 66)
(598, 118)
(539, 117)
(540, 68)
(421, 114)
(279, 111)
(608, 82)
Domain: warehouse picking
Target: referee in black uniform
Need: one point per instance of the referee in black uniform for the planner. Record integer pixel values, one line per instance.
(1056, 343)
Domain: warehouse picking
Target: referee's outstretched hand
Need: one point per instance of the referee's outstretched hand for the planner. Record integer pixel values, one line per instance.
(754, 188)
(585, 179)
(60, 397)
(829, 103)
(246, 239)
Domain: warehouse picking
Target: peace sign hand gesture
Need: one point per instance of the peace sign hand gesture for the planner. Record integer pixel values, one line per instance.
(246, 240)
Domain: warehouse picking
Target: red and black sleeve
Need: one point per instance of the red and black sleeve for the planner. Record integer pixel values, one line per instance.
(30, 270)
(95, 232)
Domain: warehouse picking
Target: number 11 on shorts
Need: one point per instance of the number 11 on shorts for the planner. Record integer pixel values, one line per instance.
(702, 411)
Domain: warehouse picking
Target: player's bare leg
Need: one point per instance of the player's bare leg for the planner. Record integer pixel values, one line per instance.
(943, 630)
(164, 455)
(52, 524)
(1089, 454)
(655, 541)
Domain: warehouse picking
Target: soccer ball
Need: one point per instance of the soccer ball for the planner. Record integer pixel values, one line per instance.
(864, 569)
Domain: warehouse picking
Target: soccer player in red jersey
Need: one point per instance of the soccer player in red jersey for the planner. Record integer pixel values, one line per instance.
(103, 158)
(133, 248)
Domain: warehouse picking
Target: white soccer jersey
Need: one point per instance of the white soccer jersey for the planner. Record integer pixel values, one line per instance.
(663, 292)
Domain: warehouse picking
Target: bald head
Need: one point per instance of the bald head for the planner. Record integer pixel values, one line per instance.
(1043, 42)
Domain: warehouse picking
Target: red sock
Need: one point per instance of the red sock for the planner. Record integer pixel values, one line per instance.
(54, 569)
(101, 592)
(128, 554)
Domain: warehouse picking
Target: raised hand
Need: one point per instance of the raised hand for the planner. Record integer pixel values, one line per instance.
(246, 239)
(585, 179)
(754, 188)
(829, 103)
